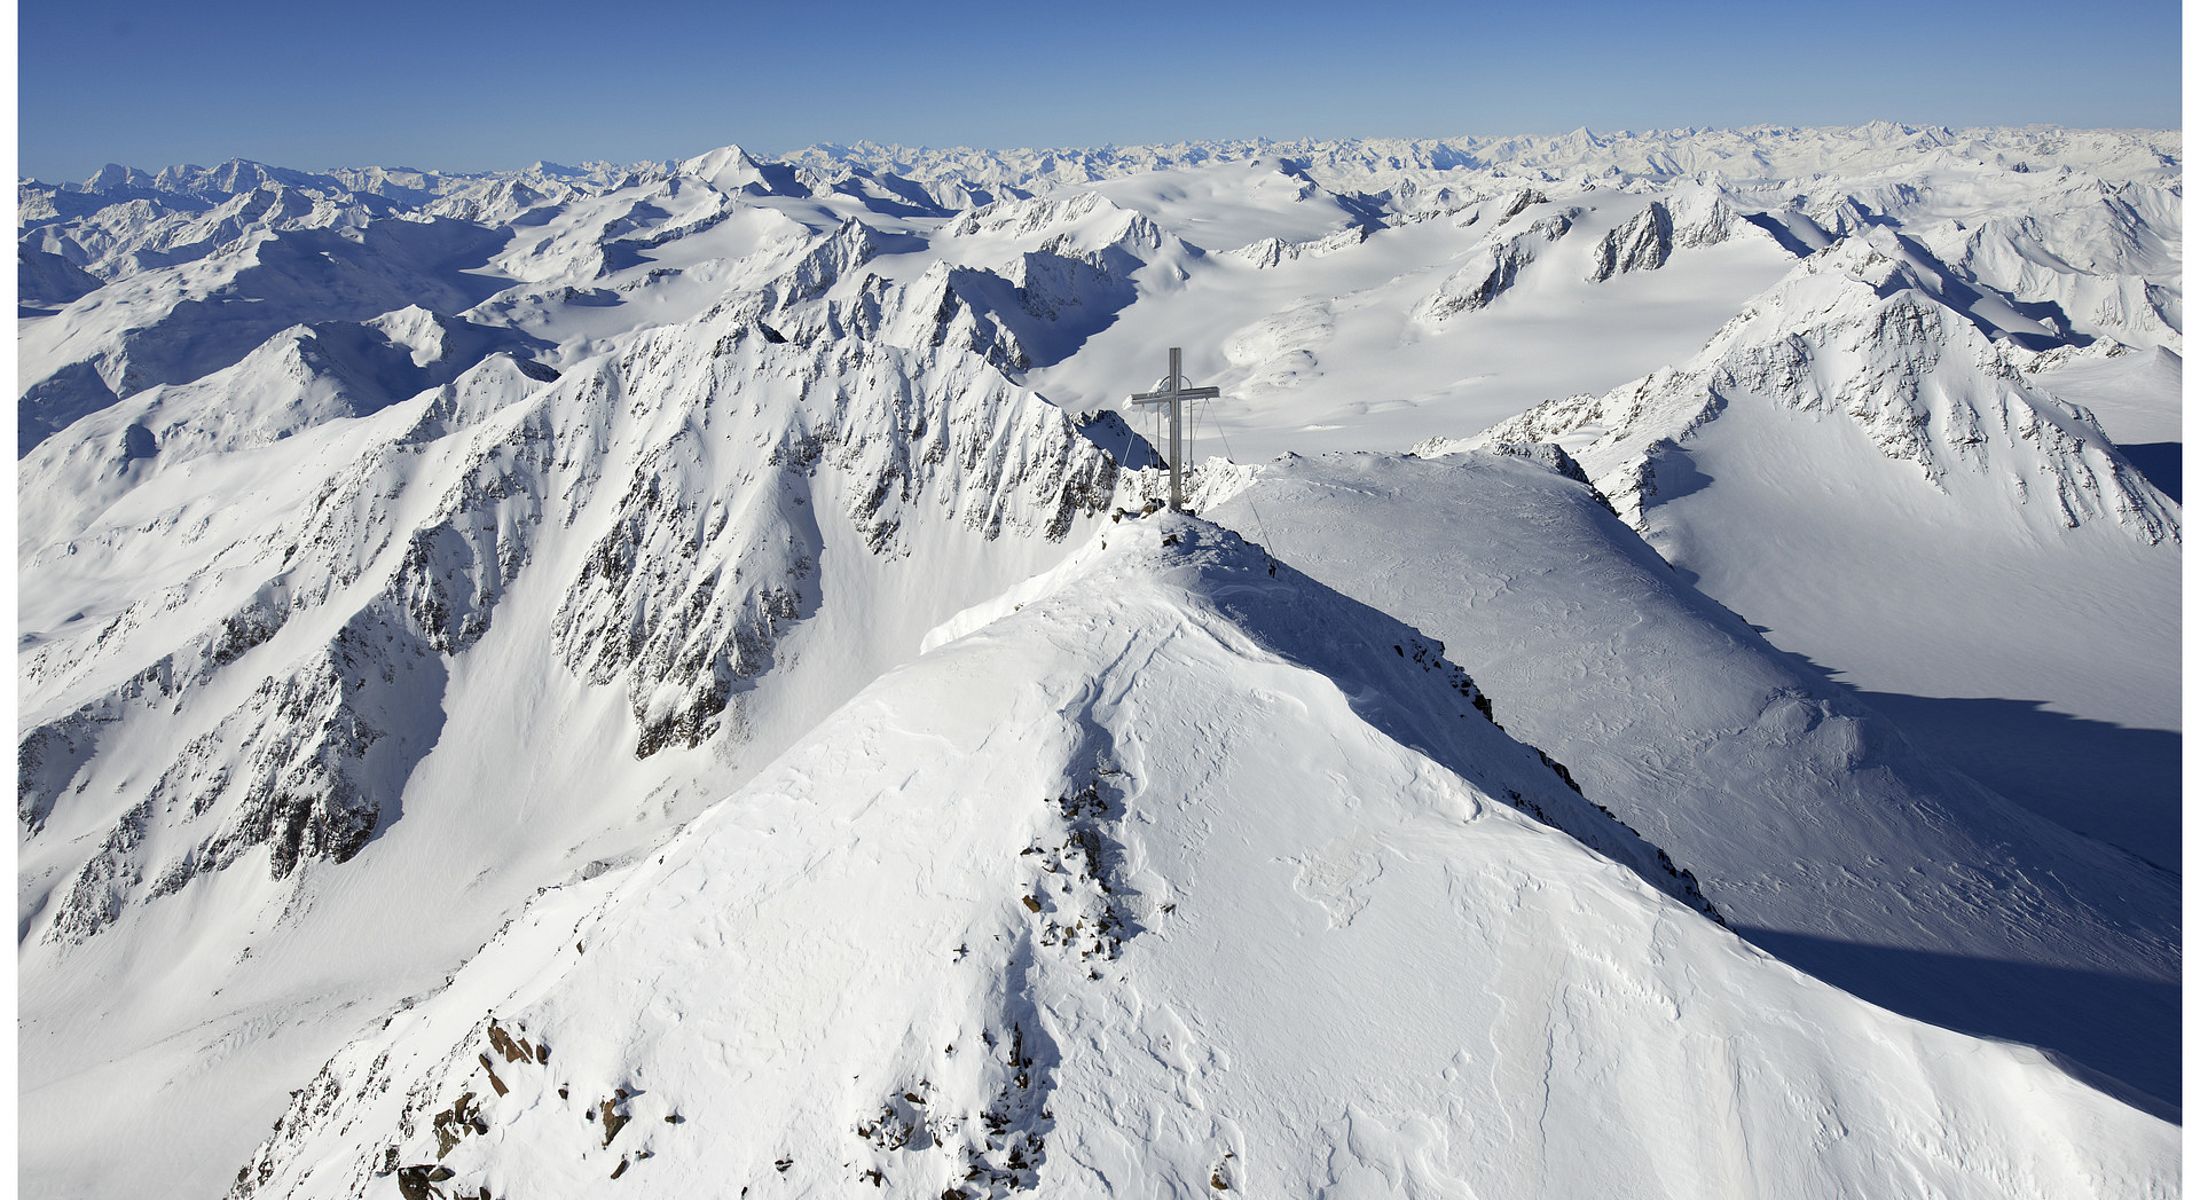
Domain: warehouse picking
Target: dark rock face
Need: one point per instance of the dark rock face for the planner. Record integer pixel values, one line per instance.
(47, 761)
(1642, 244)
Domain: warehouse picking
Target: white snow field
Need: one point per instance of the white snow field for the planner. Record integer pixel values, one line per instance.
(723, 566)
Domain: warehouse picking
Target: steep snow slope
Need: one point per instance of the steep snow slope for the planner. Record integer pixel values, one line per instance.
(1174, 875)
(2134, 394)
(1859, 468)
(45, 280)
(295, 380)
(371, 685)
(1813, 827)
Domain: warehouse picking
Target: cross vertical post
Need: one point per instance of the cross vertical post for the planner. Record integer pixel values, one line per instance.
(1176, 431)
(1173, 393)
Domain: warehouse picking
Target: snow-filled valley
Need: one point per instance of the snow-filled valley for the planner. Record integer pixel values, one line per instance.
(670, 677)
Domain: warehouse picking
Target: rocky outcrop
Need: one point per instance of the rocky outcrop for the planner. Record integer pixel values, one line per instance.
(895, 444)
(1643, 243)
(1273, 252)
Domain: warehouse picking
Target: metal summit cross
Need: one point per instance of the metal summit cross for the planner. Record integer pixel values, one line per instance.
(1173, 393)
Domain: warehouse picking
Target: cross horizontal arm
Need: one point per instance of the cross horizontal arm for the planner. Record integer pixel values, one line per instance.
(1198, 393)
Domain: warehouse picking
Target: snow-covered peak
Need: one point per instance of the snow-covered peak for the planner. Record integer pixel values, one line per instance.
(114, 177)
(1119, 859)
(423, 333)
(1852, 336)
(731, 169)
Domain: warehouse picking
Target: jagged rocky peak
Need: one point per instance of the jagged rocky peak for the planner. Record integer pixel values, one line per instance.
(1643, 243)
(1090, 221)
(1685, 215)
(827, 260)
(1029, 308)
(1521, 200)
(1274, 251)
(1550, 455)
(1703, 214)
(964, 308)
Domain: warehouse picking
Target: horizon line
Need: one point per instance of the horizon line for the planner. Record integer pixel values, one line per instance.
(1114, 146)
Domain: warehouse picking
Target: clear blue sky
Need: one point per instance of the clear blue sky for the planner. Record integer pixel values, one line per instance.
(487, 83)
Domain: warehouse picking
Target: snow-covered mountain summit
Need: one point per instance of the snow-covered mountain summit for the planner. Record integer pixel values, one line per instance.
(1001, 925)
(397, 546)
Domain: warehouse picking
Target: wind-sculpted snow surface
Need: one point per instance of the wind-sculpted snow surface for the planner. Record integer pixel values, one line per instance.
(1083, 896)
(397, 544)
(1811, 823)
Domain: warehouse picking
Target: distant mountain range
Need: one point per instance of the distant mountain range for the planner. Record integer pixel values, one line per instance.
(672, 673)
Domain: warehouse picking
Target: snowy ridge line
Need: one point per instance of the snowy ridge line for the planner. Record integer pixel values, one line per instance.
(2082, 256)
(1658, 152)
(1076, 940)
(1604, 831)
(1766, 151)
